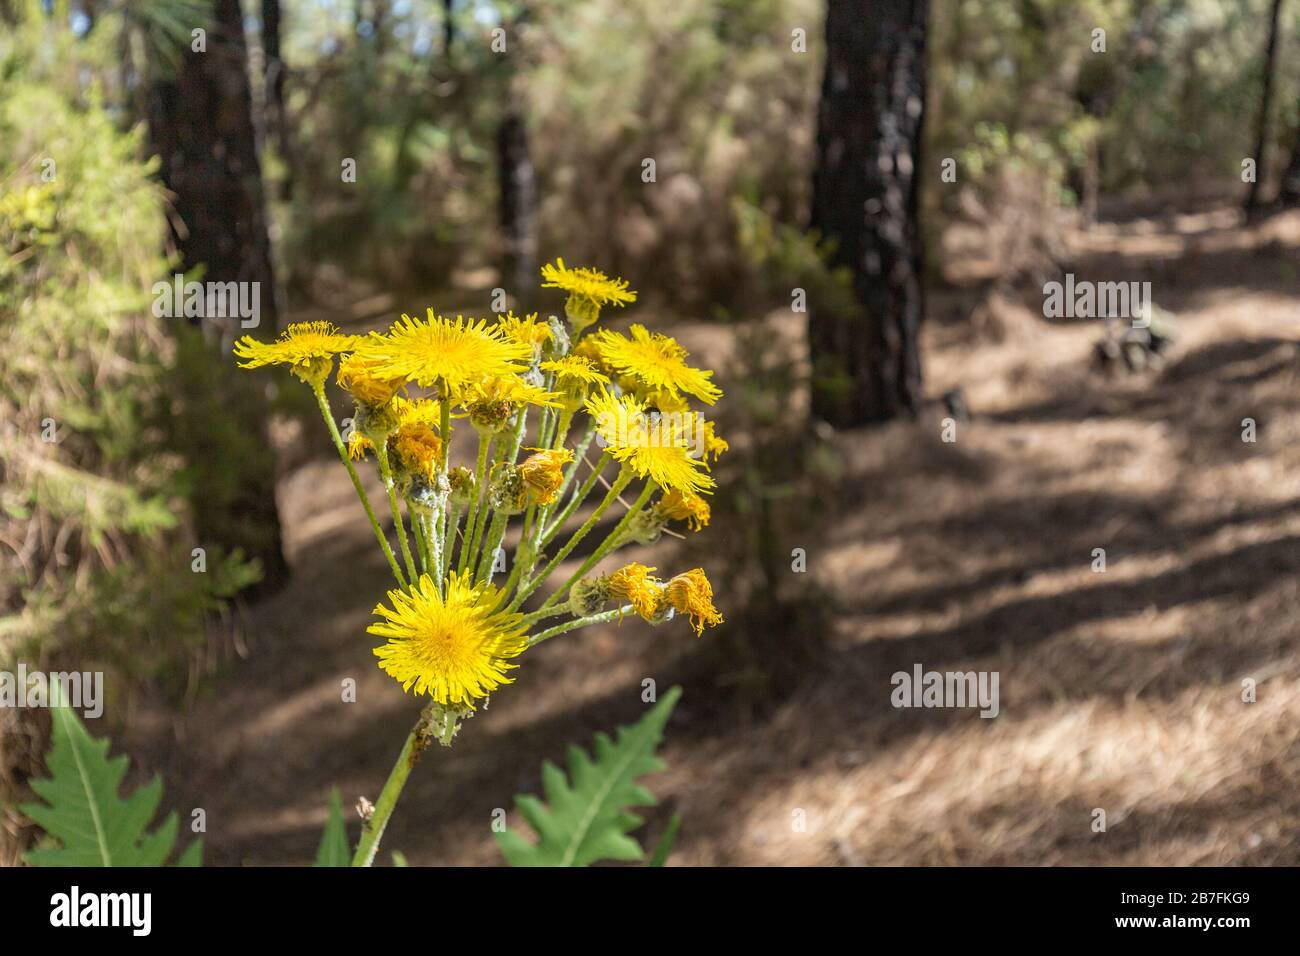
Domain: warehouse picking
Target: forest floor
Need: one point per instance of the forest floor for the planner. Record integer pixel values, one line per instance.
(1120, 690)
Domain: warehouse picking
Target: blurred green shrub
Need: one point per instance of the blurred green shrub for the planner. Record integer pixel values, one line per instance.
(90, 490)
(94, 519)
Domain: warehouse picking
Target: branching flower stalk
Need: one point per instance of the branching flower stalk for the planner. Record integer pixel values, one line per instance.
(448, 632)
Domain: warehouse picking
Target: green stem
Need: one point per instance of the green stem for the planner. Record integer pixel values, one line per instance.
(480, 493)
(374, 827)
(323, 402)
(530, 619)
(609, 544)
(621, 482)
(452, 521)
(567, 626)
(490, 544)
(578, 497)
(386, 473)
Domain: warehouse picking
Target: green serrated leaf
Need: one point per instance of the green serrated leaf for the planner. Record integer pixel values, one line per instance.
(586, 815)
(91, 824)
(333, 850)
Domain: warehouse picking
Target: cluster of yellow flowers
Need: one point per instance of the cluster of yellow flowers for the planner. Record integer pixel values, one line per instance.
(452, 632)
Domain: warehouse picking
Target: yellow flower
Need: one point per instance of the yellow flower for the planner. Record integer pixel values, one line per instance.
(509, 389)
(703, 436)
(692, 509)
(589, 290)
(455, 648)
(657, 361)
(661, 398)
(692, 594)
(543, 473)
(308, 348)
(418, 449)
(357, 376)
(526, 330)
(359, 445)
(456, 352)
(654, 447)
(493, 400)
(588, 349)
(574, 375)
(575, 370)
(633, 584)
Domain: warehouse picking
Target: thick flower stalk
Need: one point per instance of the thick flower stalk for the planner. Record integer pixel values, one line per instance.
(475, 427)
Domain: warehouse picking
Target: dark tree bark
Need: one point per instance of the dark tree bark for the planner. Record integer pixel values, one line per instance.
(1290, 195)
(201, 126)
(867, 368)
(517, 182)
(1265, 108)
(277, 126)
(448, 26)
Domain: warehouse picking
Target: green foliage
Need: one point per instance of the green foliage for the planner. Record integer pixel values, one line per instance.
(83, 813)
(586, 817)
(665, 845)
(333, 850)
(93, 485)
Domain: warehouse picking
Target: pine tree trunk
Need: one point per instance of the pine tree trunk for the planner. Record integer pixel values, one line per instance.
(518, 200)
(1265, 107)
(201, 126)
(277, 125)
(867, 367)
(1290, 195)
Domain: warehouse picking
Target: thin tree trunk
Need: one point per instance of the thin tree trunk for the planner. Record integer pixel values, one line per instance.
(518, 201)
(201, 126)
(867, 367)
(277, 125)
(1265, 108)
(1290, 195)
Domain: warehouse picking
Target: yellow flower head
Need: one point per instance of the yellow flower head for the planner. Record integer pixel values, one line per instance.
(703, 435)
(660, 398)
(308, 348)
(692, 594)
(589, 291)
(357, 376)
(543, 473)
(587, 348)
(456, 648)
(359, 445)
(456, 352)
(510, 389)
(527, 330)
(634, 584)
(574, 375)
(493, 400)
(657, 361)
(418, 449)
(417, 411)
(692, 509)
(653, 446)
(414, 437)
(575, 370)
